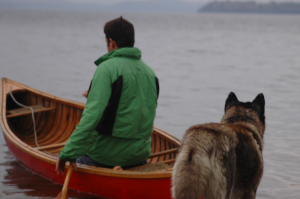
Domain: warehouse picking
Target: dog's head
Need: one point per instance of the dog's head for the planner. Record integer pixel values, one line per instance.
(244, 111)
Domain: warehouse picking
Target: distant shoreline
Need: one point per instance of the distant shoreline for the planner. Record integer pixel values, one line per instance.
(251, 7)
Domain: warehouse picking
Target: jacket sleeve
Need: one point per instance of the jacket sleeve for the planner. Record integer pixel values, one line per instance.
(85, 135)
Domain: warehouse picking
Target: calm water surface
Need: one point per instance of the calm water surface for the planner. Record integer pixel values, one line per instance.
(199, 59)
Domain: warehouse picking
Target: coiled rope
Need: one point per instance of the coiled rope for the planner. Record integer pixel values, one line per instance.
(32, 112)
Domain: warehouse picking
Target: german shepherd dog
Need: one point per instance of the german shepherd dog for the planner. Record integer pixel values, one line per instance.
(222, 161)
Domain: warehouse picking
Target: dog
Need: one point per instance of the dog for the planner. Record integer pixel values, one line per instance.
(222, 160)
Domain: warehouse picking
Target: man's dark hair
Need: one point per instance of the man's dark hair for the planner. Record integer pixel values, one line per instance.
(121, 31)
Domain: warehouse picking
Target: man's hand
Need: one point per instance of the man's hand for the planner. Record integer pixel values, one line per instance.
(85, 94)
(60, 166)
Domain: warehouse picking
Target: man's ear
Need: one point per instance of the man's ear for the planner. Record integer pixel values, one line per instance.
(113, 44)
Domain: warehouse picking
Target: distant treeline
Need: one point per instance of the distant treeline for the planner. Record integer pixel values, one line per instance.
(251, 7)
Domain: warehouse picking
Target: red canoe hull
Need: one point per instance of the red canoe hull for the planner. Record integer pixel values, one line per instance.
(56, 118)
(109, 187)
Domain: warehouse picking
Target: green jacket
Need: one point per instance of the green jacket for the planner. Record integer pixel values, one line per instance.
(117, 123)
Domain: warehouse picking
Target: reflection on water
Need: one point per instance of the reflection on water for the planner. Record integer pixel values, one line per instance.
(20, 182)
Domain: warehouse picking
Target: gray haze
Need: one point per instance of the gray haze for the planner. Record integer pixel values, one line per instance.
(140, 6)
(114, 5)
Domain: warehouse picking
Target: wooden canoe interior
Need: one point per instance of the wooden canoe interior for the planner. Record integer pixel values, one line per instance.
(55, 122)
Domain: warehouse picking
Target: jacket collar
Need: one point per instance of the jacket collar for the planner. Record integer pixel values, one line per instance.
(128, 52)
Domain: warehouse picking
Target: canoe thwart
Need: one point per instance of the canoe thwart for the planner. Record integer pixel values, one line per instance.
(163, 152)
(27, 111)
(50, 146)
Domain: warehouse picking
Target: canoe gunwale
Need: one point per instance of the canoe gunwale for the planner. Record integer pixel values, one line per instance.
(51, 159)
(43, 94)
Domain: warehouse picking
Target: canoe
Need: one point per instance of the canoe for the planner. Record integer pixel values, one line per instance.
(55, 120)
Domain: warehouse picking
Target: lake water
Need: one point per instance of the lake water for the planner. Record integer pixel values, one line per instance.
(199, 59)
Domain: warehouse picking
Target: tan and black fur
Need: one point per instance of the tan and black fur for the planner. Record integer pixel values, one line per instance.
(222, 160)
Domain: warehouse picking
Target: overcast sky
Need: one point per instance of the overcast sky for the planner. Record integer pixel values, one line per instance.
(107, 2)
(200, 1)
(112, 2)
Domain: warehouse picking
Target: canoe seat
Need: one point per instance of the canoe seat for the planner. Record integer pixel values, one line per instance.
(27, 111)
(158, 166)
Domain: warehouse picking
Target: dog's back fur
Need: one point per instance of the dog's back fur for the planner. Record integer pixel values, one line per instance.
(222, 161)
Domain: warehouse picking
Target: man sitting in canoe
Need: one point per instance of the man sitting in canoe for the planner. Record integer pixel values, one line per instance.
(117, 123)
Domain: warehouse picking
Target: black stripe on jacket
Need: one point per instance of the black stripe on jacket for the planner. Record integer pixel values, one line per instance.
(106, 124)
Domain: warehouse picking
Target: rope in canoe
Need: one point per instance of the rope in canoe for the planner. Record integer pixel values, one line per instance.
(36, 142)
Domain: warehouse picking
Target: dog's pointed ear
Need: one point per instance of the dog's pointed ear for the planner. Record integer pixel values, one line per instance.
(260, 102)
(230, 99)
